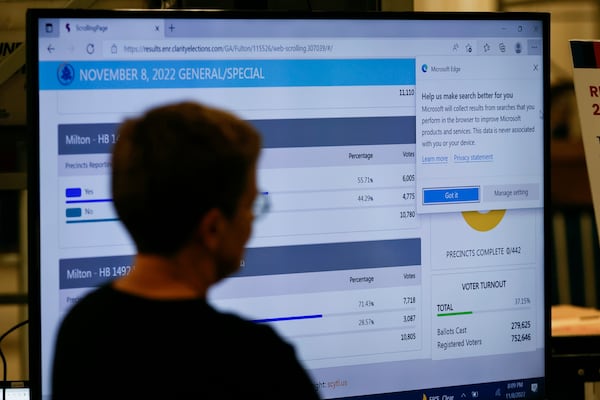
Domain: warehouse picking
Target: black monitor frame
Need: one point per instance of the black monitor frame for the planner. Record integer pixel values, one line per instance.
(33, 98)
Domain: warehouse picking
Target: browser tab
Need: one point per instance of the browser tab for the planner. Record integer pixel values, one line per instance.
(49, 28)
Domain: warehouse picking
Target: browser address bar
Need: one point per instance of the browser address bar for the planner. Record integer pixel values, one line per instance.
(268, 48)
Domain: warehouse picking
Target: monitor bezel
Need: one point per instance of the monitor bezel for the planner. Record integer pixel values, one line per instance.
(33, 211)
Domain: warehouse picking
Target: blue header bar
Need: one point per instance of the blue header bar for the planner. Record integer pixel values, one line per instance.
(94, 271)
(99, 138)
(171, 74)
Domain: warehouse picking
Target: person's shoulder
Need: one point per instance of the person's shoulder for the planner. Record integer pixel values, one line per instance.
(261, 341)
(254, 330)
(90, 303)
(98, 294)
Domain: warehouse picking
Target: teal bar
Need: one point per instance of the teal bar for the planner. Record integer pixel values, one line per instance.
(73, 212)
(79, 75)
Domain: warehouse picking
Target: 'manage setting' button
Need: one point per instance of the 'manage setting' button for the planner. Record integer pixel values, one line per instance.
(515, 192)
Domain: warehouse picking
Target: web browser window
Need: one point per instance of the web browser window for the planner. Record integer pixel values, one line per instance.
(15, 390)
(404, 160)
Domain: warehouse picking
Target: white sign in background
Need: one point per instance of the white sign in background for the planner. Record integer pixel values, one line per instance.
(587, 93)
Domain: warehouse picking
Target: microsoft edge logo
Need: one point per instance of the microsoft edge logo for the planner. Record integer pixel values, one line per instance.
(424, 67)
(65, 74)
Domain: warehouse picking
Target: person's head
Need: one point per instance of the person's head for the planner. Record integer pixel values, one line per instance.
(177, 163)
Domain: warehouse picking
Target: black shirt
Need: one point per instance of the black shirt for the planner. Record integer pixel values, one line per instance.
(113, 345)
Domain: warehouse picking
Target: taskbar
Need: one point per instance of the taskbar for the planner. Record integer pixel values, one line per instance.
(527, 389)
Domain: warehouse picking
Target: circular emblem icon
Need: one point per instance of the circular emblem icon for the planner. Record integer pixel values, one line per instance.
(66, 74)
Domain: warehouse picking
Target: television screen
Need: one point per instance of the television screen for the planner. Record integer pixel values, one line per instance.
(14, 390)
(405, 157)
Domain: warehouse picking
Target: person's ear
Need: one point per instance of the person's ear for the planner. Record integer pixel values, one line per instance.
(211, 228)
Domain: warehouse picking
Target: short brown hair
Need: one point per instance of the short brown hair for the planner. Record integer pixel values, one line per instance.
(173, 164)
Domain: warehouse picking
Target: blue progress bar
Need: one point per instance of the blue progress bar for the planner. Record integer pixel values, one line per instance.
(89, 201)
(261, 321)
(83, 221)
